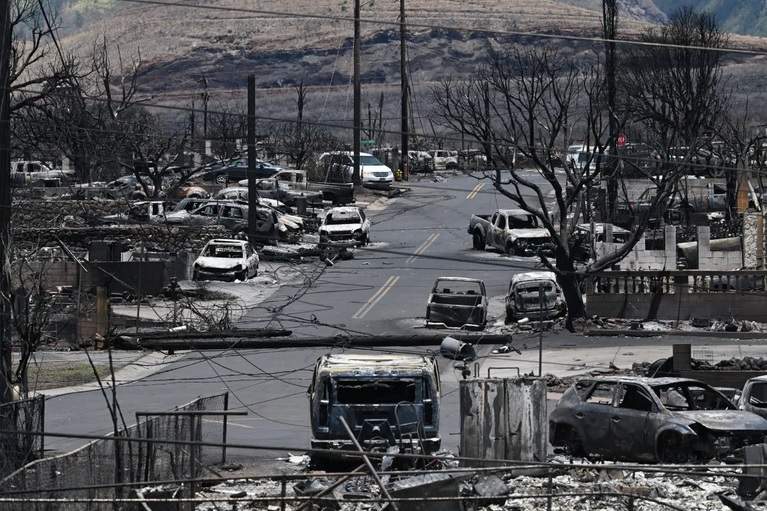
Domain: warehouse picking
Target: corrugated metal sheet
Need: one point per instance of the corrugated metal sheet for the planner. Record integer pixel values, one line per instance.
(503, 419)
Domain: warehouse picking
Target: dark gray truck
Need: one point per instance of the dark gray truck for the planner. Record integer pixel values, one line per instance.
(457, 302)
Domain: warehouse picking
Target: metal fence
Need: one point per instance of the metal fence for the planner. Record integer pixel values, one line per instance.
(19, 448)
(93, 477)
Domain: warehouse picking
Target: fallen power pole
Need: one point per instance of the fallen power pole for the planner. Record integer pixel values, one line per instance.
(239, 340)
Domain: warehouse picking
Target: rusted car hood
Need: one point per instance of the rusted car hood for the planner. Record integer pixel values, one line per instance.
(725, 420)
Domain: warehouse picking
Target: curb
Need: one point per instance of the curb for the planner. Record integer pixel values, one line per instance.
(676, 333)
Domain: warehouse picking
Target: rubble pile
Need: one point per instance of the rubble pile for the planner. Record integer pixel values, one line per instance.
(583, 486)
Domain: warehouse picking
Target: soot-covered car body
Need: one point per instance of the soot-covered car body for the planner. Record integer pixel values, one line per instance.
(671, 420)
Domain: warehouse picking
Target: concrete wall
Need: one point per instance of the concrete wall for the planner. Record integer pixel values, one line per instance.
(666, 259)
(682, 306)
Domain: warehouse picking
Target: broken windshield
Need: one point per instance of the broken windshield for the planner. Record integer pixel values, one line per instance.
(364, 392)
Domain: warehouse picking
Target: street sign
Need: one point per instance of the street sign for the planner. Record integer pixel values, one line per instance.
(621, 140)
(367, 142)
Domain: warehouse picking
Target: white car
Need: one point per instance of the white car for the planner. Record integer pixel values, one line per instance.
(226, 259)
(345, 226)
(373, 173)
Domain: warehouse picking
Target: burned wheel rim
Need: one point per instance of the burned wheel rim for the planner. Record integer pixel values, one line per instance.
(674, 449)
(510, 249)
(574, 444)
(477, 241)
(221, 179)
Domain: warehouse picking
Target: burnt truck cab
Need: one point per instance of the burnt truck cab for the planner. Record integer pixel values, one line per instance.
(386, 400)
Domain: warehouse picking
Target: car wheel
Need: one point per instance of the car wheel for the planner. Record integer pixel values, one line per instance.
(221, 179)
(478, 241)
(574, 444)
(673, 448)
(242, 276)
(195, 275)
(511, 249)
(509, 316)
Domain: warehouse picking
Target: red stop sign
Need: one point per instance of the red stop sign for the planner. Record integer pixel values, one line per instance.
(621, 140)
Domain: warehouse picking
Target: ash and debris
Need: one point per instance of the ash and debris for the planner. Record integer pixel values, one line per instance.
(574, 484)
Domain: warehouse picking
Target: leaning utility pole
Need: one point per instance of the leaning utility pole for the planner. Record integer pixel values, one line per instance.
(357, 95)
(252, 191)
(6, 396)
(610, 22)
(405, 89)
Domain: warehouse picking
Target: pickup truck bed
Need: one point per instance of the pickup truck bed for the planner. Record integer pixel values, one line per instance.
(465, 308)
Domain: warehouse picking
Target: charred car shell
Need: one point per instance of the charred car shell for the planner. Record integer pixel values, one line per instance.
(524, 298)
(385, 400)
(668, 420)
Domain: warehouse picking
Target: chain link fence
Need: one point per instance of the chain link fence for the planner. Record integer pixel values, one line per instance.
(100, 473)
(18, 448)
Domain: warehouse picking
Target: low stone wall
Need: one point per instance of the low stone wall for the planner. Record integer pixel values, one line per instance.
(679, 295)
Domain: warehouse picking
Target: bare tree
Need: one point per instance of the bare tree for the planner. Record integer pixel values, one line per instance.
(526, 99)
(673, 86)
(227, 126)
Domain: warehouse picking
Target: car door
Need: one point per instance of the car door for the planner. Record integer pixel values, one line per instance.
(233, 216)
(594, 415)
(630, 436)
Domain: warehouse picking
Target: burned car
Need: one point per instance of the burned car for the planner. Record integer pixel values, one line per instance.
(524, 298)
(345, 226)
(669, 420)
(457, 302)
(386, 400)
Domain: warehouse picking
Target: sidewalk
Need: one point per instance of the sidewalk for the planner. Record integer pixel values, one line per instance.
(574, 361)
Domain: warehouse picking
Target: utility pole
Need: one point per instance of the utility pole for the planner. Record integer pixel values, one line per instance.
(6, 395)
(404, 85)
(610, 22)
(252, 192)
(357, 95)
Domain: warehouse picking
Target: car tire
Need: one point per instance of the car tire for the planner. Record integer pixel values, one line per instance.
(242, 276)
(573, 443)
(478, 241)
(220, 179)
(195, 275)
(673, 448)
(510, 318)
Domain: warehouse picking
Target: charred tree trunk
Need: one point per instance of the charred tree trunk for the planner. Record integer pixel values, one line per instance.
(571, 289)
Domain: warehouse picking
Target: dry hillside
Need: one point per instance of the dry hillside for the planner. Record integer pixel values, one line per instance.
(284, 42)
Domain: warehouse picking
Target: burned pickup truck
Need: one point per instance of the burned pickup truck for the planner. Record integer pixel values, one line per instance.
(457, 302)
(386, 400)
(513, 231)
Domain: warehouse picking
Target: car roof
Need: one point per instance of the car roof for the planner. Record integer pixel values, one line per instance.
(226, 241)
(652, 382)
(514, 212)
(534, 275)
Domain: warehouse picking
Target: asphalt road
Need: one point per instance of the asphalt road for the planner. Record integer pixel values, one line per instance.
(382, 290)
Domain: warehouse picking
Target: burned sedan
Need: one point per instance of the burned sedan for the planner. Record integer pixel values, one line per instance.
(670, 420)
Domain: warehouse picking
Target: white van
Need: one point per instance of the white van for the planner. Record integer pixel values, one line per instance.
(339, 166)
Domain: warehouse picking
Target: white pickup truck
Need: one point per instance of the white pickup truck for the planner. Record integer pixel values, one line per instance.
(23, 172)
(513, 231)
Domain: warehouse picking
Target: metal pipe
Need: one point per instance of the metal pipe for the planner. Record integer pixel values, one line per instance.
(373, 472)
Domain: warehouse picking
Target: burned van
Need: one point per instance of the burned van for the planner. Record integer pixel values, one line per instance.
(386, 400)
